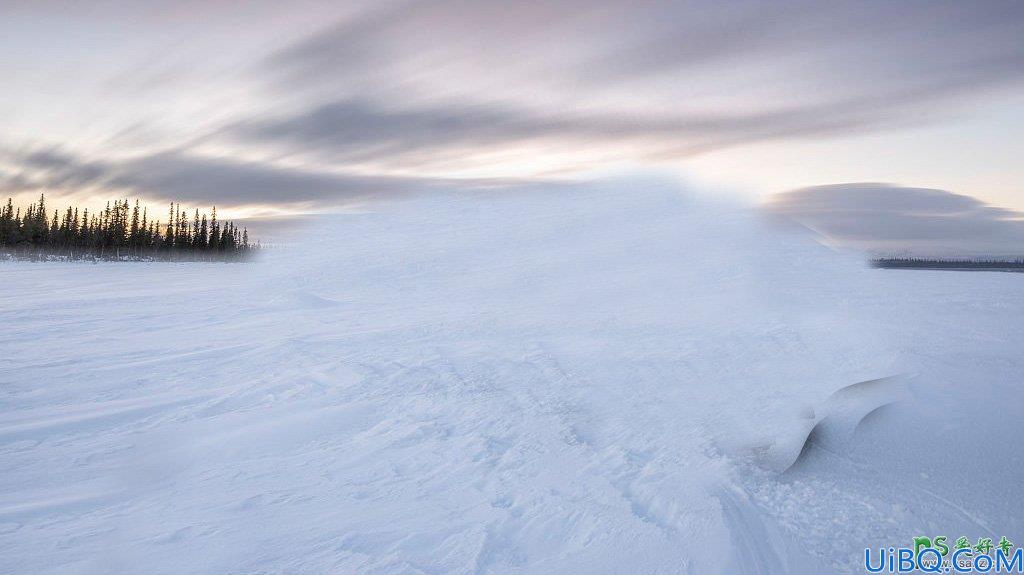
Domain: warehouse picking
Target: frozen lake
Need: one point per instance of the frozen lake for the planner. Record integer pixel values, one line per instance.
(604, 381)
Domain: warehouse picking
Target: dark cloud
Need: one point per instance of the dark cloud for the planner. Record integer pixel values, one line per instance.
(894, 219)
(844, 49)
(429, 78)
(60, 169)
(197, 179)
(48, 169)
(356, 130)
(858, 47)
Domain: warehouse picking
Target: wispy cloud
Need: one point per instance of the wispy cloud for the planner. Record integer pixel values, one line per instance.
(430, 84)
(578, 55)
(422, 88)
(201, 179)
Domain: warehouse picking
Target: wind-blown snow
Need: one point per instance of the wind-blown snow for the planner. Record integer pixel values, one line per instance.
(615, 379)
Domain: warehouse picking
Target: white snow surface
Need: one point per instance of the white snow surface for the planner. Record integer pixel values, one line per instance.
(611, 379)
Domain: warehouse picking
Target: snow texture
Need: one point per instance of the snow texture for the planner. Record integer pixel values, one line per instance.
(618, 379)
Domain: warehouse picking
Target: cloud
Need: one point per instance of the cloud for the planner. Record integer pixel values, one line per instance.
(432, 80)
(196, 178)
(484, 87)
(576, 52)
(61, 169)
(893, 219)
(193, 178)
(357, 130)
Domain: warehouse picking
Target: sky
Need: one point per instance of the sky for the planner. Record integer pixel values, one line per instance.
(271, 108)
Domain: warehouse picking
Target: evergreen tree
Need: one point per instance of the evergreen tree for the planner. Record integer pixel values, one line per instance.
(214, 230)
(119, 230)
(203, 235)
(169, 231)
(133, 233)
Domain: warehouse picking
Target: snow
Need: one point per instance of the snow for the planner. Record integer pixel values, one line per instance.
(615, 378)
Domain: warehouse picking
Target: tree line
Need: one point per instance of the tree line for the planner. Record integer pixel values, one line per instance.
(921, 263)
(120, 231)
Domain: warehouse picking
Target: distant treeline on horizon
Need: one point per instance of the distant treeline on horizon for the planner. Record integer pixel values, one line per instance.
(120, 231)
(921, 263)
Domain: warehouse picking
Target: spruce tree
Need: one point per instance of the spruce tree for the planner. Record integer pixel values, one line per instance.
(169, 231)
(133, 233)
(203, 242)
(214, 230)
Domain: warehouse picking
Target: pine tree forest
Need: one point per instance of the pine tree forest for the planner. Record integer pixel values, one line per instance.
(121, 231)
